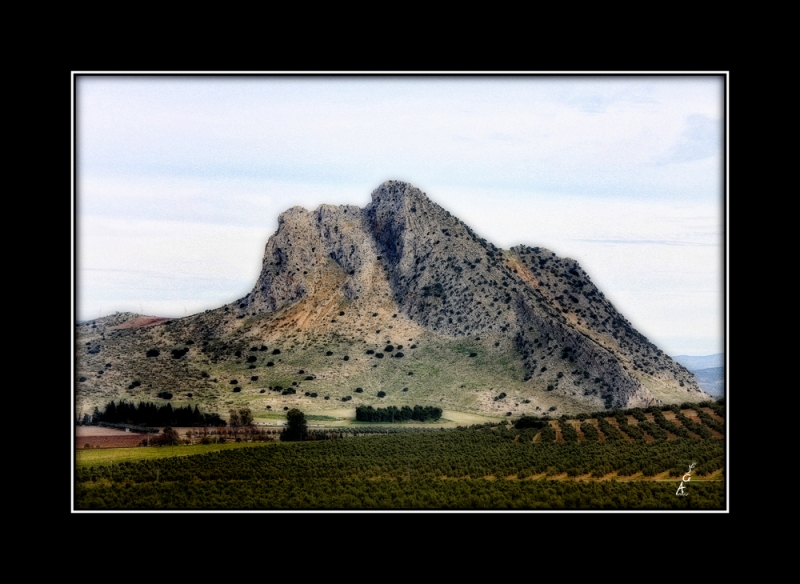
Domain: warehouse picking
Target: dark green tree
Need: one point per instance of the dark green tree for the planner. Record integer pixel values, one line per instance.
(245, 416)
(169, 436)
(296, 426)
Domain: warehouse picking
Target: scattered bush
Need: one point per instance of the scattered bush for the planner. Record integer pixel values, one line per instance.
(381, 394)
(270, 364)
(153, 353)
(276, 351)
(359, 390)
(254, 378)
(328, 353)
(379, 355)
(399, 355)
(251, 359)
(234, 381)
(237, 389)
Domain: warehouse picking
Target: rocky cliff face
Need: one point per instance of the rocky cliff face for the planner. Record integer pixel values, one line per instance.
(406, 267)
(448, 280)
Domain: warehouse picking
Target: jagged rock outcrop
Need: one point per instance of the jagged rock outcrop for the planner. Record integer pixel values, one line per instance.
(405, 265)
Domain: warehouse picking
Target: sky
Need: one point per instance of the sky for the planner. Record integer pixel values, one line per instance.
(180, 180)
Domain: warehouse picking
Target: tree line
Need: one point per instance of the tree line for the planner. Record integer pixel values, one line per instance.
(149, 414)
(395, 414)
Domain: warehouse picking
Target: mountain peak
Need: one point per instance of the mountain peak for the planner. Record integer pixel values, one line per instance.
(404, 268)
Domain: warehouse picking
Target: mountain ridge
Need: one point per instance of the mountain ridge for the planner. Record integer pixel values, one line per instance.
(406, 268)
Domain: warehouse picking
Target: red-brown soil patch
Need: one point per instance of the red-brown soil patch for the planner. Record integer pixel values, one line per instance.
(613, 422)
(713, 414)
(595, 423)
(140, 322)
(82, 431)
(557, 427)
(126, 440)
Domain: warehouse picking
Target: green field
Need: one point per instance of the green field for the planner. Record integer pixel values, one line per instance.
(107, 456)
(493, 466)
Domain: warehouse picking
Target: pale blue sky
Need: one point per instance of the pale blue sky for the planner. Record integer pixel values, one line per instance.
(181, 180)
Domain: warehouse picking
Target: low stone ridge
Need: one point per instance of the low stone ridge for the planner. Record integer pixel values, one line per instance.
(340, 283)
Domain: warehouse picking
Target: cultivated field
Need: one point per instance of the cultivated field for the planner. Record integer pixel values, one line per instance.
(623, 461)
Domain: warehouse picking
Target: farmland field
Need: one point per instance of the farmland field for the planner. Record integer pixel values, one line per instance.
(489, 466)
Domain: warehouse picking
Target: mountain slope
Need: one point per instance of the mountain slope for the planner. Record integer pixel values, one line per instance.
(400, 297)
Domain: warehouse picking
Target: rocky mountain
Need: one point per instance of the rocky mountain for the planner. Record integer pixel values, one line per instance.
(399, 297)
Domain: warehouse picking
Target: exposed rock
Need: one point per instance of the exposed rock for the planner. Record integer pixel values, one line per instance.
(402, 268)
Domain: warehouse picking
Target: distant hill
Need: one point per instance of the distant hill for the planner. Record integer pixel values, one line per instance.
(400, 298)
(708, 370)
(696, 363)
(712, 380)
